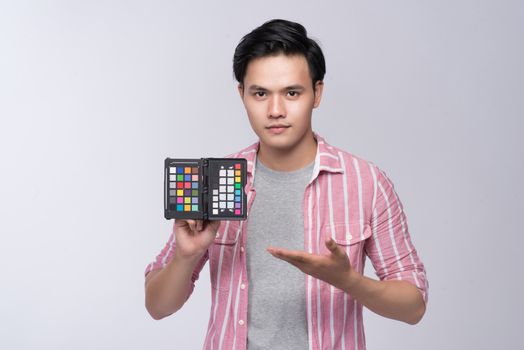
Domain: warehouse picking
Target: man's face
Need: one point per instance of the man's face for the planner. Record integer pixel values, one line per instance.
(279, 100)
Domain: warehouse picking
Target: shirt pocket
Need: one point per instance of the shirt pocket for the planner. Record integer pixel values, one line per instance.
(224, 255)
(347, 235)
(352, 239)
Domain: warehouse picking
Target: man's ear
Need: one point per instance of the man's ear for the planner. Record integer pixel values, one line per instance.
(240, 88)
(319, 88)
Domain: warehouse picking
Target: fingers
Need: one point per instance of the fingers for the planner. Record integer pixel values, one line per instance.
(283, 256)
(290, 256)
(191, 224)
(195, 225)
(199, 225)
(180, 223)
(333, 247)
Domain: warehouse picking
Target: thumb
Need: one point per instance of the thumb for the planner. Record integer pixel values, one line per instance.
(333, 246)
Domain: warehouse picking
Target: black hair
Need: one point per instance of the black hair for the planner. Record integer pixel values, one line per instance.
(276, 37)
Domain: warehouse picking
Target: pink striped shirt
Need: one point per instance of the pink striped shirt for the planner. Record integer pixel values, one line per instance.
(349, 199)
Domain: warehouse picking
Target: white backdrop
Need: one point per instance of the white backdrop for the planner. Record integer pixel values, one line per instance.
(95, 94)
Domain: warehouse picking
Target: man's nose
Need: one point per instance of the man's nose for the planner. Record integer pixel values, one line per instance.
(276, 107)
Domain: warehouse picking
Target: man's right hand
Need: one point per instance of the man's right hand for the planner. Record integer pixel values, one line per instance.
(193, 237)
(168, 288)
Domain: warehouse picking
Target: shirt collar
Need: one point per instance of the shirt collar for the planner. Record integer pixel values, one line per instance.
(327, 158)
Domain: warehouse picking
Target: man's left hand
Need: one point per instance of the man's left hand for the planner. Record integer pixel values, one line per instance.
(333, 268)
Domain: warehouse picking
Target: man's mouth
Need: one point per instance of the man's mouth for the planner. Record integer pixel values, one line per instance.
(277, 128)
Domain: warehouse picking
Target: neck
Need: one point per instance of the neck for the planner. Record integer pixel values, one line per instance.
(289, 159)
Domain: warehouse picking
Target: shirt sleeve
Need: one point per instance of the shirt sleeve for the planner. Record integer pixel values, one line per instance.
(390, 248)
(165, 256)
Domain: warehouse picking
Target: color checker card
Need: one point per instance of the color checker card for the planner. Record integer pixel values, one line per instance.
(205, 189)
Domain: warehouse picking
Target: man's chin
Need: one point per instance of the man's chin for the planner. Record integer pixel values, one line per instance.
(279, 143)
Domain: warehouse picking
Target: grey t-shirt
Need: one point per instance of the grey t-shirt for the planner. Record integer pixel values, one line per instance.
(276, 298)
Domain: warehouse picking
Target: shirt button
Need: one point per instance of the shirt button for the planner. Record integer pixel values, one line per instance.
(241, 322)
(242, 286)
(242, 249)
(348, 237)
(217, 235)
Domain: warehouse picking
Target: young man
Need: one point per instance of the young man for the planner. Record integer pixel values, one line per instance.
(291, 275)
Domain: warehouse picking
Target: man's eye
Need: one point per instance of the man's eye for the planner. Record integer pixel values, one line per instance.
(293, 93)
(260, 94)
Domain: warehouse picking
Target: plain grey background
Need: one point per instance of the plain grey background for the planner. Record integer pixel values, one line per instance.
(94, 95)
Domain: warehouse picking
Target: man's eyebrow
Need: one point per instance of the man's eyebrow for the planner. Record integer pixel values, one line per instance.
(287, 88)
(256, 88)
(294, 87)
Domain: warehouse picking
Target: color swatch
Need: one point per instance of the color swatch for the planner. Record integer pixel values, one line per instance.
(183, 186)
(205, 189)
(227, 197)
